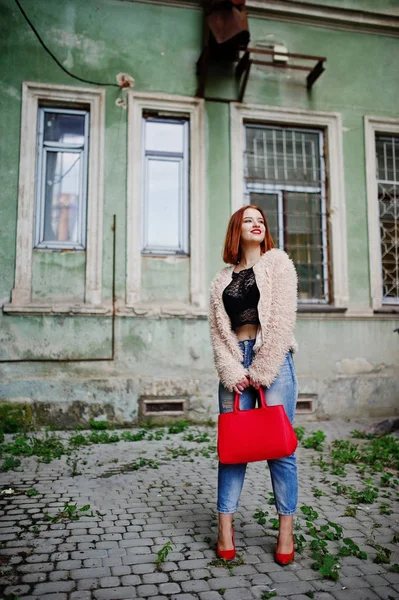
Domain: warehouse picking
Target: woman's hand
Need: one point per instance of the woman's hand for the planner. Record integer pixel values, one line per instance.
(255, 385)
(241, 385)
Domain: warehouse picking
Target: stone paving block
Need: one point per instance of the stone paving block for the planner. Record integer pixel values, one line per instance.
(180, 575)
(228, 582)
(130, 580)
(283, 576)
(108, 582)
(197, 585)
(143, 568)
(392, 578)
(80, 596)
(143, 591)
(53, 587)
(356, 594)
(59, 575)
(209, 596)
(90, 573)
(353, 582)
(289, 588)
(16, 590)
(261, 579)
(376, 580)
(169, 588)
(383, 592)
(155, 578)
(199, 573)
(119, 593)
(238, 594)
(56, 596)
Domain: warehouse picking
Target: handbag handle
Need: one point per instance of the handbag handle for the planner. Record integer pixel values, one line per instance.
(261, 395)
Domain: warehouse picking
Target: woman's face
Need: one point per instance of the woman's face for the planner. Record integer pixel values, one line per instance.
(253, 226)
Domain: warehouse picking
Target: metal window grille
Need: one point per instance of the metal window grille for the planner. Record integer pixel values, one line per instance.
(166, 186)
(61, 182)
(387, 151)
(285, 176)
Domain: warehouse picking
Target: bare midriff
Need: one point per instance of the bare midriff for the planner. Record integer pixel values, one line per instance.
(246, 332)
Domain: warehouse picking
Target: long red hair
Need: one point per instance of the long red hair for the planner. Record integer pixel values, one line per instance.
(232, 249)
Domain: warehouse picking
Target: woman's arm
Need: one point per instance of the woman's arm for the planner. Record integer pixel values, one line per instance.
(229, 369)
(279, 332)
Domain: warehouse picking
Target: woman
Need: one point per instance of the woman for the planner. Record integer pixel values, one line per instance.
(252, 318)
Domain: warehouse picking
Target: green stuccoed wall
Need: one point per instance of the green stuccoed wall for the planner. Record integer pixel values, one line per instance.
(348, 365)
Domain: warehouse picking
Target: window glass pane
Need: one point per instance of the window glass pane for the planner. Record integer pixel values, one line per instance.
(303, 232)
(62, 185)
(64, 128)
(164, 186)
(282, 155)
(269, 204)
(164, 137)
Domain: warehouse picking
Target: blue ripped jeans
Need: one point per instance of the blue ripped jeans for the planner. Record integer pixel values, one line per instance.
(283, 471)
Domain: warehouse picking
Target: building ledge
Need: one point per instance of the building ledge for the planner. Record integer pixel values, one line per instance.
(36, 308)
(309, 13)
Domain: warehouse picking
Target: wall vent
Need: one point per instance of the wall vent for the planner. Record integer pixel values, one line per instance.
(305, 404)
(165, 406)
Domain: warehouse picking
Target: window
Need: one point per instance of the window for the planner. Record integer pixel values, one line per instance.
(166, 203)
(165, 186)
(61, 183)
(282, 159)
(387, 155)
(382, 168)
(61, 188)
(284, 174)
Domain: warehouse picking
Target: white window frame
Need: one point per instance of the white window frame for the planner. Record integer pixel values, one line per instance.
(182, 158)
(331, 124)
(32, 95)
(40, 205)
(168, 105)
(372, 126)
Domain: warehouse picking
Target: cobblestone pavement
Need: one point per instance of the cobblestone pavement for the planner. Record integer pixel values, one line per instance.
(113, 554)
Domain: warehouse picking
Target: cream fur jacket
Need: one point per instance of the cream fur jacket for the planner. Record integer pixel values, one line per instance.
(277, 282)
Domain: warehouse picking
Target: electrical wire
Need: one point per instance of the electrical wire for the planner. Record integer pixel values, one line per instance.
(55, 59)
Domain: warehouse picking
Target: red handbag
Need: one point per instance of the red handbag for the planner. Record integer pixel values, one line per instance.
(256, 434)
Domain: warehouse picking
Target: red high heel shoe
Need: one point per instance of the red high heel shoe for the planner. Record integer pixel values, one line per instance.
(227, 554)
(284, 559)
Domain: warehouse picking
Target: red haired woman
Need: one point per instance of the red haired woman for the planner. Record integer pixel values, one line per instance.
(252, 318)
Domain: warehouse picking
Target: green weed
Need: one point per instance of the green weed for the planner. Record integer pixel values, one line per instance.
(99, 425)
(300, 433)
(70, 512)
(179, 426)
(384, 509)
(351, 549)
(315, 440)
(162, 554)
(260, 516)
(10, 464)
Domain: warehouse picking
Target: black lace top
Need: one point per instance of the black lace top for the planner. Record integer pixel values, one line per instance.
(241, 299)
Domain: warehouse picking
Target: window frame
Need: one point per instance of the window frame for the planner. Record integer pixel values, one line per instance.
(374, 125)
(331, 124)
(40, 199)
(33, 95)
(183, 248)
(170, 106)
(278, 189)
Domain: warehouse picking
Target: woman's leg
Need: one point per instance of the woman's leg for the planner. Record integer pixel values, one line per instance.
(230, 477)
(283, 471)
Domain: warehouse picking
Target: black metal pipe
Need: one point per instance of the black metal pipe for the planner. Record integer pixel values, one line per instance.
(75, 360)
